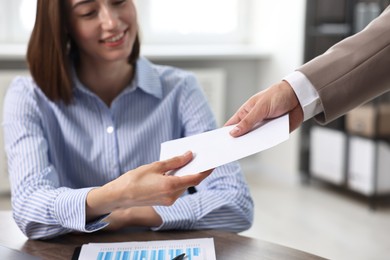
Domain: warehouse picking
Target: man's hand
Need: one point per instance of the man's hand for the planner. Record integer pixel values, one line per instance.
(272, 102)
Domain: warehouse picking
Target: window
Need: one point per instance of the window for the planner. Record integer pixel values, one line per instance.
(161, 21)
(193, 21)
(17, 19)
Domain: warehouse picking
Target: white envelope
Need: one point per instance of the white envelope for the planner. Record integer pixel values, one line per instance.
(215, 148)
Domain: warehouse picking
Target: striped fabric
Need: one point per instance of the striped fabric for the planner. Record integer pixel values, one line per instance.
(57, 153)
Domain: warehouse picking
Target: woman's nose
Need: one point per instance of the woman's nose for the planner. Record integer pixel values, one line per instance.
(108, 18)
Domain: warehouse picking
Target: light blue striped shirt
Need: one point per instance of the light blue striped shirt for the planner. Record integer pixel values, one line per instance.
(57, 153)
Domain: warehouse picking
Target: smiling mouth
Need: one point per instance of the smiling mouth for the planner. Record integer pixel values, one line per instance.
(115, 38)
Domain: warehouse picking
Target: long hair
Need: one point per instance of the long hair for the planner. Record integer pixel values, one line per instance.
(49, 50)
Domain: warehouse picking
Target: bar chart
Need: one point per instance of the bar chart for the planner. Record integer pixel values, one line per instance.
(194, 249)
(151, 254)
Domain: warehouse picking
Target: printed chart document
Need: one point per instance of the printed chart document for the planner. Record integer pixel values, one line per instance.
(194, 249)
(215, 148)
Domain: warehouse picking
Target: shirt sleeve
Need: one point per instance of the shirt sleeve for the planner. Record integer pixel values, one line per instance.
(41, 208)
(222, 200)
(306, 93)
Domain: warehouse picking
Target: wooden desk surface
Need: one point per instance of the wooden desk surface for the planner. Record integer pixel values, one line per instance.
(227, 245)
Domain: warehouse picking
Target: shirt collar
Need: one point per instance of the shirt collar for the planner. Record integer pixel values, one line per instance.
(146, 79)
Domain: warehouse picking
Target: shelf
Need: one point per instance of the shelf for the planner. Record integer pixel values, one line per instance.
(360, 166)
(166, 52)
(331, 29)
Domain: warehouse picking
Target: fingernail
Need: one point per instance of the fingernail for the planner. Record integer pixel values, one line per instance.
(235, 131)
(187, 153)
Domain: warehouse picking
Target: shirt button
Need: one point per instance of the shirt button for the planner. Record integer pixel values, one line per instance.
(110, 129)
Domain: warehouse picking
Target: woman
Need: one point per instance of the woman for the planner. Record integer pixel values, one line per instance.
(78, 131)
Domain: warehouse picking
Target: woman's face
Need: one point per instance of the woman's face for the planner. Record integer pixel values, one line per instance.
(104, 30)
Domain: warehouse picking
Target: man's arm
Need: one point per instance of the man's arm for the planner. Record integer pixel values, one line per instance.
(350, 73)
(354, 71)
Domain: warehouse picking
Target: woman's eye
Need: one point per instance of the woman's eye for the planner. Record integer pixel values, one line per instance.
(118, 2)
(88, 14)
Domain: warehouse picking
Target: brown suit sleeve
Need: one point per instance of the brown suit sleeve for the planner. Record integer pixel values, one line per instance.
(353, 71)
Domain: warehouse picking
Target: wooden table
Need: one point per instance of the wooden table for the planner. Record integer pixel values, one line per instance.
(227, 245)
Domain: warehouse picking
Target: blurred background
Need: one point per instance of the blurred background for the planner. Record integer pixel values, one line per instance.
(325, 190)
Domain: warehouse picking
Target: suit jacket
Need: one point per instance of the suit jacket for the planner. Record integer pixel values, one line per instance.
(353, 71)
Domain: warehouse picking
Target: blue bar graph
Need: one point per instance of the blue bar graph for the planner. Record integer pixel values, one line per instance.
(153, 255)
(161, 254)
(108, 256)
(135, 256)
(196, 251)
(118, 255)
(192, 253)
(126, 255)
(188, 253)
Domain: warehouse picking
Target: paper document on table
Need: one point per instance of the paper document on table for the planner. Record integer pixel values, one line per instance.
(195, 249)
(215, 148)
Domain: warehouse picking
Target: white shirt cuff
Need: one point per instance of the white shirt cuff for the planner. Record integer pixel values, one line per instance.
(307, 95)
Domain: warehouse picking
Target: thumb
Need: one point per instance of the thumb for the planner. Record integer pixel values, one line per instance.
(174, 162)
(247, 123)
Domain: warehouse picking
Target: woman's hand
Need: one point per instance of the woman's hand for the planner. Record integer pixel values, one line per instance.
(144, 186)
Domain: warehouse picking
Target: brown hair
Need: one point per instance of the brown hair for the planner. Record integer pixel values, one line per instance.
(48, 52)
